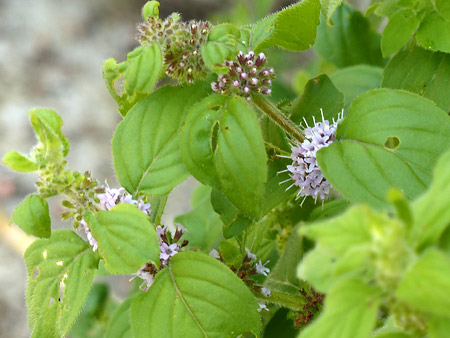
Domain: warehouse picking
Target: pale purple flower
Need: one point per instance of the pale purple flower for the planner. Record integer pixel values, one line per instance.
(168, 251)
(111, 197)
(160, 231)
(262, 306)
(214, 254)
(261, 269)
(250, 255)
(92, 241)
(146, 276)
(266, 292)
(304, 170)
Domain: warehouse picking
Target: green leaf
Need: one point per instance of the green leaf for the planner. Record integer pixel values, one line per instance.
(355, 80)
(426, 284)
(126, 238)
(434, 33)
(398, 31)
(328, 8)
(145, 145)
(222, 45)
(47, 126)
(294, 28)
(443, 8)
(350, 311)
(140, 73)
(431, 79)
(203, 224)
(60, 274)
(200, 296)
(198, 140)
(150, 10)
(431, 211)
(234, 221)
(319, 94)
(240, 158)
(329, 210)
(350, 41)
(363, 165)
(32, 216)
(19, 162)
(119, 325)
(438, 327)
(282, 280)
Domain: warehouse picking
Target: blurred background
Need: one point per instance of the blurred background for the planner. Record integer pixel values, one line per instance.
(51, 54)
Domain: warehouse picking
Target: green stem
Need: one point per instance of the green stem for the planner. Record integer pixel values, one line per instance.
(279, 118)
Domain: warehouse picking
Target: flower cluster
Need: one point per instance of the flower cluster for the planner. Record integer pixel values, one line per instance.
(169, 247)
(109, 199)
(246, 75)
(180, 42)
(304, 170)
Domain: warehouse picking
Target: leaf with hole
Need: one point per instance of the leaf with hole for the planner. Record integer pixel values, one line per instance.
(60, 273)
(145, 145)
(126, 238)
(195, 296)
(362, 167)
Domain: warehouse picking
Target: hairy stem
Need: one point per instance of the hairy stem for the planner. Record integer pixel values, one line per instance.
(279, 118)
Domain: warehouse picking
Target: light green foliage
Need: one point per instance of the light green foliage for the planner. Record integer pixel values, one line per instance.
(354, 80)
(60, 272)
(320, 93)
(350, 41)
(32, 216)
(19, 162)
(426, 284)
(240, 158)
(434, 33)
(363, 164)
(398, 31)
(431, 212)
(379, 252)
(139, 73)
(150, 9)
(126, 238)
(431, 81)
(145, 145)
(293, 28)
(195, 296)
(443, 8)
(202, 222)
(53, 146)
(350, 311)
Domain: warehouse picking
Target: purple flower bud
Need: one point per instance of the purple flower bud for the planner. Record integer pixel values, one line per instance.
(246, 90)
(254, 81)
(243, 76)
(236, 83)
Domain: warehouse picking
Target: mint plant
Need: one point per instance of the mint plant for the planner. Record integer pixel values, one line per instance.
(326, 215)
